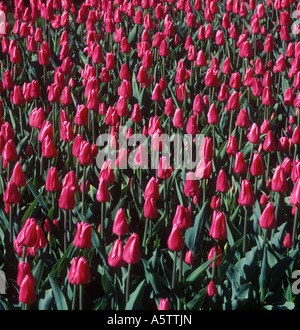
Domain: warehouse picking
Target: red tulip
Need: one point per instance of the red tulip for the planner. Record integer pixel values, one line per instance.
(11, 194)
(120, 226)
(150, 210)
(257, 167)
(212, 289)
(267, 219)
(28, 234)
(27, 294)
(83, 236)
(246, 197)
(222, 184)
(175, 240)
(182, 217)
(67, 198)
(18, 176)
(279, 182)
(131, 252)
(163, 304)
(79, 272)
(218, 229)
(23, 270)
(115, 255)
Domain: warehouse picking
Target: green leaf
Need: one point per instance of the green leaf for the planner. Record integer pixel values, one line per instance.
(193, 234)
(59, 297)
(136, 297)
(198, 272)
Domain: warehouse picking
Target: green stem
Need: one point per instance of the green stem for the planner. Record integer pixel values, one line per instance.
(102, 220)
(83, 189)
(245, 231)
(127, 283)
(295, 226)
(174, 270)
(263, 288)
(145, 232)
(74, 297)
(80, 297)
(65, 231)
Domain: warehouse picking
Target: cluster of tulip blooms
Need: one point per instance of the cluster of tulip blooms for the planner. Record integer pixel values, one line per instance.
(229, 70)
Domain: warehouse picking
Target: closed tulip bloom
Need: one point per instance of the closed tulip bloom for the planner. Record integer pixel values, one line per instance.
(211, 255)
(70, 180)
(85, 156)
(7, 80)
(269, 144)
(257, 167)
(189, 258)
(37, 118)
(9, 152)
(163, 304)
(204, 168)
(234, 101)
(232, 146)
(212, 115)
(131, 252)
(269, 44)
(246, 197)
(125, 89)
(243, 118)
(46, 130)
(222, 184)
(191, 186)
(52, 180)
(279, 182)
(67, 198)
(136, 115)
(240, 166)
(110, 61)
(178, 120)
(182, 217)
(27, 294)
(267, 219)
(289, 97)
(152, 189)
(164, 170)
(267, 97)
(141, 157)
(107, 171)
(288, 242)
(265, 127)
(103, 191)
(23, 270)
(18, 176)
(218, 229)
(83, 236)
(11, 194)
(211, 78)
(212, 289)
(81, 117)
(206, 149)
(224, 94)
(48, 148)
(79, 272)
(253, 135)
(191, 126)
(120, 226)
(175, 240)
(66, 132)
(115, 255)
(150, 210)
(28, 235)
(296, 135)
(295, 195)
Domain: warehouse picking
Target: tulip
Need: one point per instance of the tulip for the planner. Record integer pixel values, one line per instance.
(175, 240)
(267, 219)
(11, 194)
(212, 289)
(182, 217)
(115, 255)
(163, 304)
(257, 166)
(18, 176)
(189, 258)
(150, 210)
(27, 236)
(23, 270)
(27, 294)
(279, 182)
(222, 184)
(212, 253)
(287, 242)
(152, 189)
(246, 197)
(240, 166)
(120, 226)
(67, 198)
(79, 272)
(178, 120)
(218, 229)
(83, 236)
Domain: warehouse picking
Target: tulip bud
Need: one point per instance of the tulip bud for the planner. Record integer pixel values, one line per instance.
(79, 272)
(267, 219)
(131, 252)
(175, 240)
(163, 304)
(246, 197)
(212, 289)
(83, 237)
(218, 229)
(120, 226)
(115, 255)
(27, 294)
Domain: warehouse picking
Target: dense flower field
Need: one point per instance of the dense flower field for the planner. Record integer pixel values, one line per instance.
(149, 154)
